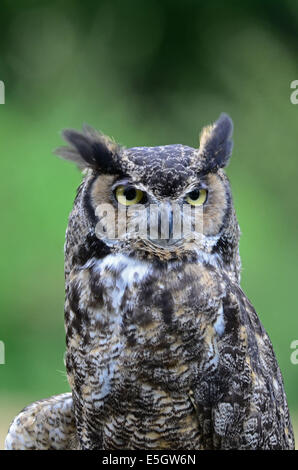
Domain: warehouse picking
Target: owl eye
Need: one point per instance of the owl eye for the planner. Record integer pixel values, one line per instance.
(197, 197)
(128, 195)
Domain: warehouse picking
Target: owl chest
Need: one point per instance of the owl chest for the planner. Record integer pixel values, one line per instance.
(125, 290)
(158, 317)
(147, 335)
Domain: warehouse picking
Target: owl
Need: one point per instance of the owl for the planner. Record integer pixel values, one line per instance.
(163, 348)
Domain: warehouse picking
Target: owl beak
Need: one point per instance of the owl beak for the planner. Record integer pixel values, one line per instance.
(165, 226)
(165, 222)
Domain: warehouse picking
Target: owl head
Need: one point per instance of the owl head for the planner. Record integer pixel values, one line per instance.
(165, 202)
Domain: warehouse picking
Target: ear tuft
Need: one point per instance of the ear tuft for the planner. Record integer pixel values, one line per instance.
(216, 144)
(90, 149)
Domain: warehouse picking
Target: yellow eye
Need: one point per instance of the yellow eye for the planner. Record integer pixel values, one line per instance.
(197, 197)
(128, 195)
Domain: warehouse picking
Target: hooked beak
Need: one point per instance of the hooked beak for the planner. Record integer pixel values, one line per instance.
(166, 230)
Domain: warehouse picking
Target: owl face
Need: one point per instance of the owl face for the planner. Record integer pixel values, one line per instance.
(166, 201)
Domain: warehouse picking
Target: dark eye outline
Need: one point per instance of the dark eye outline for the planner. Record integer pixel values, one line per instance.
(199, 189)
(128, 187)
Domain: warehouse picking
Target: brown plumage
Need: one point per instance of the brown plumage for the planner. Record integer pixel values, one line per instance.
(164, 350)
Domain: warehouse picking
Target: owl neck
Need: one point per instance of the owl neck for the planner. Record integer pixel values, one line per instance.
(222, 257)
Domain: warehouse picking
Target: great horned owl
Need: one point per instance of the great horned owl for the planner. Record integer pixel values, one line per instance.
(164, 350)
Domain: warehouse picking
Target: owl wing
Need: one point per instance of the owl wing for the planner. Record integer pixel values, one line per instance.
(247, 402)
(44, 425)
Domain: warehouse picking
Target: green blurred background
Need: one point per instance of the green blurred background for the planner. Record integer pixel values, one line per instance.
(147, 73)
